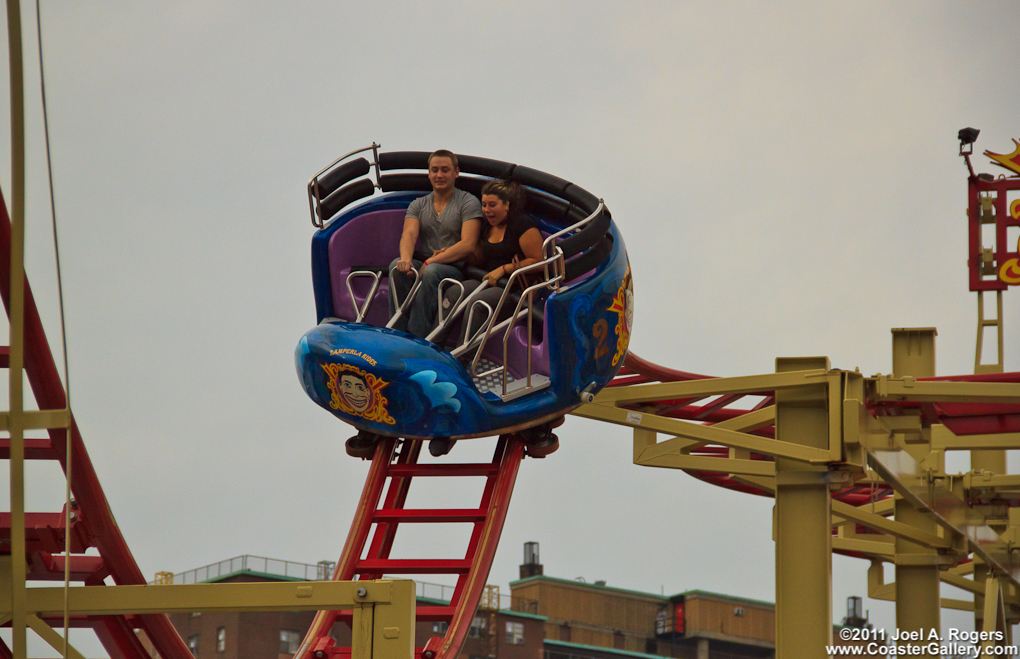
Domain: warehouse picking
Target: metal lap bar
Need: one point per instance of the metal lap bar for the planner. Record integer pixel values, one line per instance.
(527, 294)
(458, 308)
(473, 342)
(441, 293)
(360, 312)
(477, 304)
(466, 303)
(315, 199)
(407, 300)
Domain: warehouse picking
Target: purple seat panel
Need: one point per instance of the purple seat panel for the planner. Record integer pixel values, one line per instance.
(372, 239)
(517, 351)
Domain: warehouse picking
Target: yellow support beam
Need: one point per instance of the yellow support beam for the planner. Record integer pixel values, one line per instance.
(958, 605)
(746, 384)
(270, 596)
(744, 423)
(875, 549)
(909, 389)
(38, 419)
(751, 421)
(891, 527)
(946, 440)
(708, 434)
(393, 631)
(803, 518)
(918, 604)
(705, 463)
(986, 479)
(877, 588)
(964, 584)
(52, 638)
(384, 610)
(992, 610)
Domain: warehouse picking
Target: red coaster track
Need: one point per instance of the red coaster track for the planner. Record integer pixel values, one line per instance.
(960, 418)
(399, 468)
(93, 525)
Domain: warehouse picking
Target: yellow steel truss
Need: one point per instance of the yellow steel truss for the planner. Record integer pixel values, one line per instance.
(383, 610)
(826, 440)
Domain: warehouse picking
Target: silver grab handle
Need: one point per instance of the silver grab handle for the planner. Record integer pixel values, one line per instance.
(441, 292)
(471, 316)
(477, 341)
(407, 300)
(360, 312)
(458, 309)
(515, 275)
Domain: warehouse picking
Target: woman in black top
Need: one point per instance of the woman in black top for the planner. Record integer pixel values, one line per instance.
(510, 240)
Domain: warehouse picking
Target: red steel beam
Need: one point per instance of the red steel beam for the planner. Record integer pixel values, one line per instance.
(439, 469)
(48, 390)
(413, 566)
(35, 449)
(425, 515)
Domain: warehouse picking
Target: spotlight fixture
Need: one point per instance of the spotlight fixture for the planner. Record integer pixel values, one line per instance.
(967, 138)
(968, 135)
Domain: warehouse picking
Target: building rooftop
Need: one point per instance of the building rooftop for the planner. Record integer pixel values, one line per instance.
(583, 584)
(662, 598)
(723, 598)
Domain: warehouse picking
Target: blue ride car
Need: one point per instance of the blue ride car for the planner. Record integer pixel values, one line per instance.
(564, 340)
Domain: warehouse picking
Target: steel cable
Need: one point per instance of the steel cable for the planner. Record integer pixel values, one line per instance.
(63, 335)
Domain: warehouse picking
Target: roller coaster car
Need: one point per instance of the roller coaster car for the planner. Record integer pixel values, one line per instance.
(558, 334)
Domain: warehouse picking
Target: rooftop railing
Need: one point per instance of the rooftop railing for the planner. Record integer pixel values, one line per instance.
(323, 571)
(248, 563)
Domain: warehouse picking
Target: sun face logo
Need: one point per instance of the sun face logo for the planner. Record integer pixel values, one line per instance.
(357, 392)
(623, 306)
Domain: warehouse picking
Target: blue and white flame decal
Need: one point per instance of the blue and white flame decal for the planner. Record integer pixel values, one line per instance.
(454, 405)
(438, 393)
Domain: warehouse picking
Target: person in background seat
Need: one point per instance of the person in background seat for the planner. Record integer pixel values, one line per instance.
(449, 222)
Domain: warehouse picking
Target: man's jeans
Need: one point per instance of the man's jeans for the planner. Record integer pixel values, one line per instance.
(419, 317)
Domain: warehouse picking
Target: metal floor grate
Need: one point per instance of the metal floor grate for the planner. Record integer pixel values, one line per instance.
(494, 382)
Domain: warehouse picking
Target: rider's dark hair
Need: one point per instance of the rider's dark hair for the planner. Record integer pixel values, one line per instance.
(508, 192)
(443, 153)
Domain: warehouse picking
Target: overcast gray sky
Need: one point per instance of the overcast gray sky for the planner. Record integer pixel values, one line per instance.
(785, 175)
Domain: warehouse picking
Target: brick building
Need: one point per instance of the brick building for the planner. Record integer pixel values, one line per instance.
(596, 621)
(495, 632)
(543, 618)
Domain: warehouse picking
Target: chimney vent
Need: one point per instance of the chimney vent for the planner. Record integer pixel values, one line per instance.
(531, 566)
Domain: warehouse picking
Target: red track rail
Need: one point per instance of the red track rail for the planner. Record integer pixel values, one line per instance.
(961, 418)
(94, 525)
(471, 571)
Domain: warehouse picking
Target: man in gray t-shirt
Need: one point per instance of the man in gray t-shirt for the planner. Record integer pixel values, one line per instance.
(449, 222)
